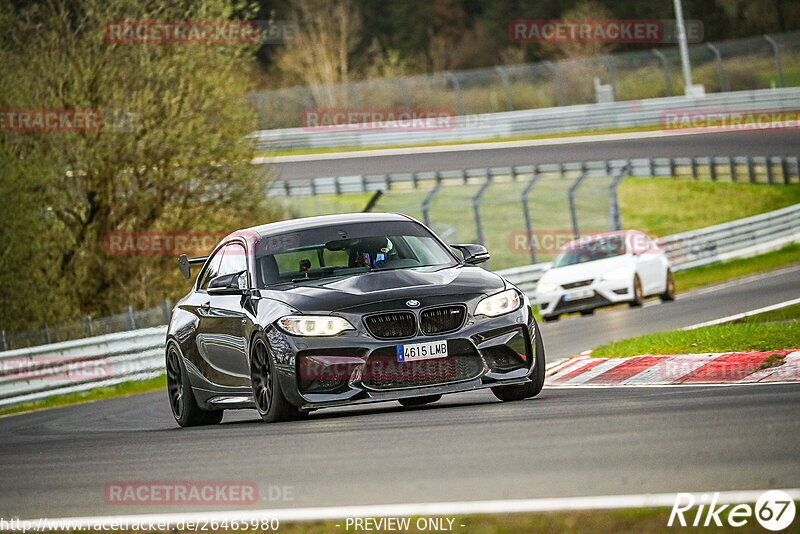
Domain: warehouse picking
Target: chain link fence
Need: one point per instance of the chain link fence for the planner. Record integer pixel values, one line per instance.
(736, 65)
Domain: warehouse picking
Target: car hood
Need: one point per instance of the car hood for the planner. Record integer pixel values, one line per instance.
(584, 271)
(373, 289)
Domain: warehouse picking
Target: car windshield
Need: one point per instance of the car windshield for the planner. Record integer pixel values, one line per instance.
(586, 251)
(346, 250)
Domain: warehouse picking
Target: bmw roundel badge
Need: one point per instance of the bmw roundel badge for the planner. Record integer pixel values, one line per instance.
(412, 303)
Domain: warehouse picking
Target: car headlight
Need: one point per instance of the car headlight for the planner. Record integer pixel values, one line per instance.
(499, 303)
(617, 274)
(546, 287)
(314, 325)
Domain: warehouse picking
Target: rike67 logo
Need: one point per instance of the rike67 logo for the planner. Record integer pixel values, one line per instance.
(774, 510)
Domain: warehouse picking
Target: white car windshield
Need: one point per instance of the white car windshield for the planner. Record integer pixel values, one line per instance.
(597, 249)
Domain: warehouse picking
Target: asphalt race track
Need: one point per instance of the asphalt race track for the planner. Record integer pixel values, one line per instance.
(566, 442)
(748, 143)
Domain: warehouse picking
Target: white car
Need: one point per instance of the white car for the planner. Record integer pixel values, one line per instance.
(604, 270)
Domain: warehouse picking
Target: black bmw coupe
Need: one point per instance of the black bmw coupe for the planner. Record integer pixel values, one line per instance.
(298, 315)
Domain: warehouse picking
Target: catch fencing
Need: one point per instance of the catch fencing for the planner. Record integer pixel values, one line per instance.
(73, 366)
(735, 65)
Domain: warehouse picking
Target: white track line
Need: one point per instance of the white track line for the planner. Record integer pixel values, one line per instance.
(608, 502)
(743, 315)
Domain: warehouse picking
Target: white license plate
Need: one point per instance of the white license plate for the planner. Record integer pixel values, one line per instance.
(578, 295)
(422, 351)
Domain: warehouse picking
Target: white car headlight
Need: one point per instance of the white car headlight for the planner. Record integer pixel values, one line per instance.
(314, 325)
(499, 303)
(546, 287)
(619, 273)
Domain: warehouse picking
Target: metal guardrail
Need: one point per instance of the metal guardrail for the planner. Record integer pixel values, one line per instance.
(752, 169)
(38, 372)
(628, 114)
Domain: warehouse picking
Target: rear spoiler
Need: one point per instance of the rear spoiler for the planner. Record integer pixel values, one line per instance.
(185, 264)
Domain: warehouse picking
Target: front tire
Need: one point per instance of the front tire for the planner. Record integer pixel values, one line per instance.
(638, 294)
(669, 292)
(532, 388)
(419, 401)
(272, 406)
(182, 402)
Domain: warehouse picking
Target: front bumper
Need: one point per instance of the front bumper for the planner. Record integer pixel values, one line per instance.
(356, 368)
(598, 294)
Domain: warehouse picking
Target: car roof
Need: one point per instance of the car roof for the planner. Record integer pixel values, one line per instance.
(583, 240)
(305, 223)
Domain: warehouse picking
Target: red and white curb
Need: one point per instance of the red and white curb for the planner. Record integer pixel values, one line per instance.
(710, 368)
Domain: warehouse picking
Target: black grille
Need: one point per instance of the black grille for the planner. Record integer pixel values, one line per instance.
(393, 325)
(442, 320)
(573, 285)
(387, 373)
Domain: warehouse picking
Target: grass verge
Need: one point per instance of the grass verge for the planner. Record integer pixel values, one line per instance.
(775, 330)
(719, 272)
(119, 390)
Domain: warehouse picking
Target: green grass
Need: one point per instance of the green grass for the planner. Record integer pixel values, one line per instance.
(119, 390)
(625, 521)
(711, 274)
(776, 330)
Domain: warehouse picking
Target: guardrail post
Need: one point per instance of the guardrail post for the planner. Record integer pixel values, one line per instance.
(45, 334)
(427, 202)
(3, 343)
(130, 318)
(672, 169)
(732, 168)
(404, 91)
(571, 197)
(476, 206)
(165, 311)
(785, 170)
(778, 64)
(526, 212)
(88, 325)
(770, 175)
(723, 80)
(694, 168)
(557, 79)
(414, 180)
(712, 169)
(665, 66)
(363, 183)
(751, 171)
(313, 184)
(506, 86)
(614, 218)
(608, 61)
(457, 87)
(651, 166)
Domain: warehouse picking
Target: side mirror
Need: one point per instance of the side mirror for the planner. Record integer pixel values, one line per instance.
(473, 254)
(228, 284)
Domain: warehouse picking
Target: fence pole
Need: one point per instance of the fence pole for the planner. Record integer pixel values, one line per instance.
(571, 197)
(427, 202)
(404, 91)
(770, 176)
(723, 80)
(3, 343)
(778, 64)
(712, 169)
(476, 207)
(785, 170)
(130, 318)
(557, 78)
(457, 87)
(694, 168)
(732, 168)
(665, 67)
(45, 334)
(614, 218)
(526, 212)
(87, 323)
(751, 171)
(165, 311)
(506, 86)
